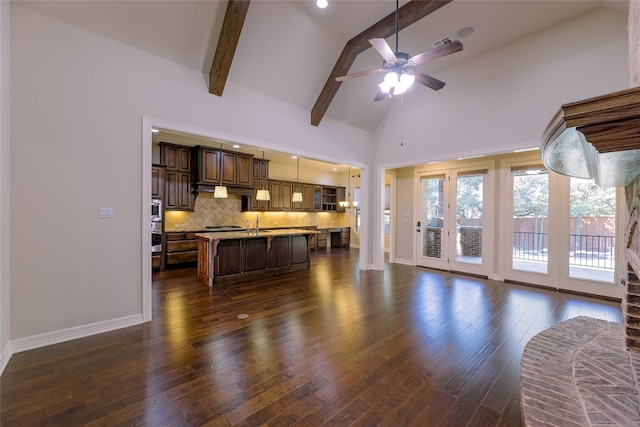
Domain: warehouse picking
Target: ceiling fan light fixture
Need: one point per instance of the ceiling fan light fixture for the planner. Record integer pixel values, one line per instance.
(390, 80)
(406, 80)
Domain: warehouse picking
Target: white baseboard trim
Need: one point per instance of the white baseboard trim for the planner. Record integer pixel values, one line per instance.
(55, 337)
(405, 261)
(5, 356)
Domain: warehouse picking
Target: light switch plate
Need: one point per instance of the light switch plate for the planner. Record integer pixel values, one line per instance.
(105, 212)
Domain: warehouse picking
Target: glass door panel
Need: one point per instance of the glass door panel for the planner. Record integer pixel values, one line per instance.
(592, 231)
(431, 238)
(530, 221)
(469, 191)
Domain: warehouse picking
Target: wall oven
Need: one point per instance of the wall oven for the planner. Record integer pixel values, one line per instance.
(156, 210)
(156, 226)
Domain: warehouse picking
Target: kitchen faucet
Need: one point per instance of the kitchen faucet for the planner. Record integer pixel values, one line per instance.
(257, 229)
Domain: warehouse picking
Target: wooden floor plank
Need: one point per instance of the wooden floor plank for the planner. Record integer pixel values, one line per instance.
(331, 345)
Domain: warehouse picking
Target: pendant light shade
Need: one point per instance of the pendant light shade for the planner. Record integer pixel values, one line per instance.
(297, 196)
(263, 195)
(220, 191)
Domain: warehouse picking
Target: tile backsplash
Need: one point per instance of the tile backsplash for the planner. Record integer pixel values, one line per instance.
(210, 211)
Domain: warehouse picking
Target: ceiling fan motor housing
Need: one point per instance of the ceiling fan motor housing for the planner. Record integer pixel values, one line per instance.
(402, 58)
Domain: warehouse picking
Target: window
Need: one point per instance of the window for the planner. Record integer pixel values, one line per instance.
(387, 210)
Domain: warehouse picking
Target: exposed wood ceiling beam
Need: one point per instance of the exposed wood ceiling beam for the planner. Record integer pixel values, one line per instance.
(411, 12)
(229, 36)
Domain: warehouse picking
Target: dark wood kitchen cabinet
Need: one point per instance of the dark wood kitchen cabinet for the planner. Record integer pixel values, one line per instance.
(317, 198)
(275, 193)
(280, 193)
(329, 199)
(260, 175)
(215, 166)
(181, 248)
(286, 193)
(307, 197)
(260, 169)
(237, 169)
(178, 194)
(157, 181)
(208, 163)
(175, 157)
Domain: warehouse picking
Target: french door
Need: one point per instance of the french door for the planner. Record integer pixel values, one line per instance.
(454, 218)
(562, 231)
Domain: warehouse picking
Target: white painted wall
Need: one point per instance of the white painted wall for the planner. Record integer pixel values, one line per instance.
(5, 284)
(77, 105)
(405, 225)
(505, 98)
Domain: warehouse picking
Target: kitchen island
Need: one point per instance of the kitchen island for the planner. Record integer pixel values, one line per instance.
(234, 256)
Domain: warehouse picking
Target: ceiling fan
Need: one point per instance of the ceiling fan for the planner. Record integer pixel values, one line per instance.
(398, 66)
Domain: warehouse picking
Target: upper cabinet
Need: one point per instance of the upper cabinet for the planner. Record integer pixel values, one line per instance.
(187, 170)
(229, 168)
(157, 181)
(178, 193)
(175, 157)
(208, 162)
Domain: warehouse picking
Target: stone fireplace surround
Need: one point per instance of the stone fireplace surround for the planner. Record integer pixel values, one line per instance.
(578, 373)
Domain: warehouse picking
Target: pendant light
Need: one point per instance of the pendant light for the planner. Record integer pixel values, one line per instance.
(297, 196)
(348, 203)
(220, 191)
(263, 195)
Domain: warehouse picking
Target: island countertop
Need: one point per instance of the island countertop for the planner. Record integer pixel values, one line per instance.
(251, 234)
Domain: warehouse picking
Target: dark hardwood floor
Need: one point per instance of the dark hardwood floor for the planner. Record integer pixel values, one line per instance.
(327, 346)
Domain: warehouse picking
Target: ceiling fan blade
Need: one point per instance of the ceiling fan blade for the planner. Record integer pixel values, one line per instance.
(360, 74)
(436, 52)
(380, 95)
(428, 81)
(384, 50)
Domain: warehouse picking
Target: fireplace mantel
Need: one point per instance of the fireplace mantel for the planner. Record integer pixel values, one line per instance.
(596, 138)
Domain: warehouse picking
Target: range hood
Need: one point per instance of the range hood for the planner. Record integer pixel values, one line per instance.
(597, 138)
(199, 187)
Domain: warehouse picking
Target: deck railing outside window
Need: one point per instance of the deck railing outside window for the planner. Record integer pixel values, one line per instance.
(585, 250)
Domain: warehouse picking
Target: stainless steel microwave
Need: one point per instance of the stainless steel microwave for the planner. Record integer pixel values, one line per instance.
(156, 210)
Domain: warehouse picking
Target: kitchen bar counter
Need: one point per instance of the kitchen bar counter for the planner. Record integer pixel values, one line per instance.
(233, 256)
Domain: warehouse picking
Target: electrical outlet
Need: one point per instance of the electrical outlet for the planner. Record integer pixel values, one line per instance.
(105, 212)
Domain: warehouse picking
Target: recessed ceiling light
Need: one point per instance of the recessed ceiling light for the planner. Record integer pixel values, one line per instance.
(322, 3)
(154, 130)
(464, 32)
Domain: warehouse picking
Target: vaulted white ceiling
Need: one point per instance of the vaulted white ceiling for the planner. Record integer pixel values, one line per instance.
(288, 48)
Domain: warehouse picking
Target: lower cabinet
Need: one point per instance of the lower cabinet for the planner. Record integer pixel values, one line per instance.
(339, 237)
(181, 248)
(322, 239)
